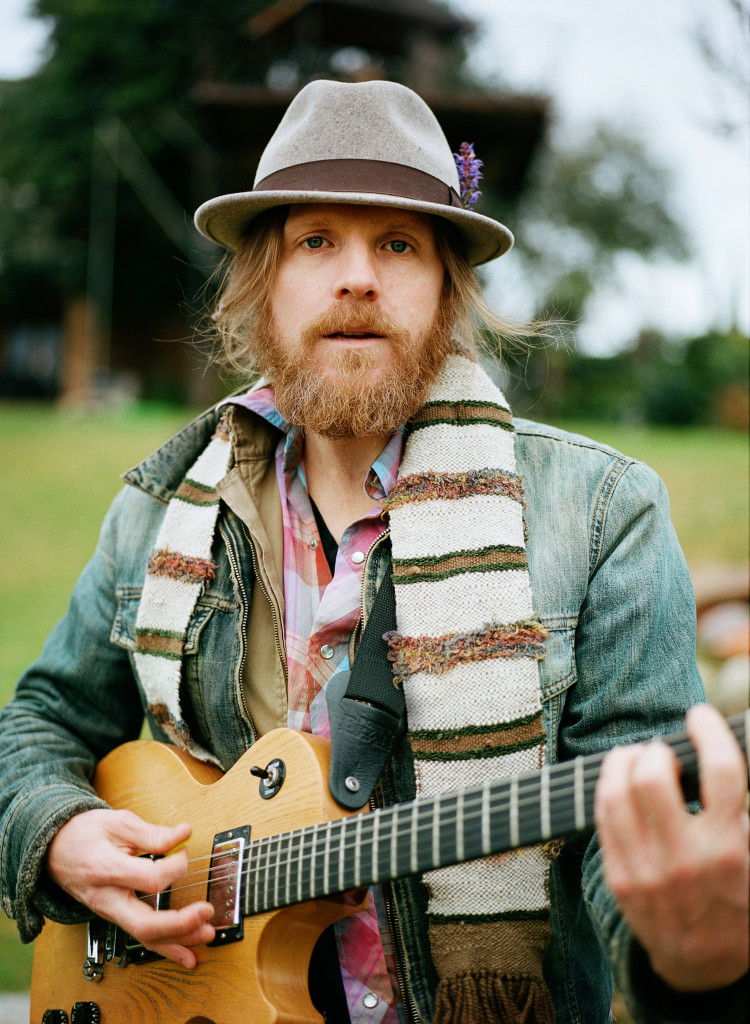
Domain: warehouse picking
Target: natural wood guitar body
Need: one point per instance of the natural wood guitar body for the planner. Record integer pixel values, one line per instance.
(258, 980)
(301, 850)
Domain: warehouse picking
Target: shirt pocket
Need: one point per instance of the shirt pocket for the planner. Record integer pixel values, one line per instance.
(557, 673)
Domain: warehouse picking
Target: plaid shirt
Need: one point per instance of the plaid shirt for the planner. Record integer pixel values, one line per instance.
(322, 612)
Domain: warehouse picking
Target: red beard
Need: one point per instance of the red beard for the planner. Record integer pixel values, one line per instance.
(351, 396)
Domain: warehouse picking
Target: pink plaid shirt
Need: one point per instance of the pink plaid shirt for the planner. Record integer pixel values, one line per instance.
(321, 614)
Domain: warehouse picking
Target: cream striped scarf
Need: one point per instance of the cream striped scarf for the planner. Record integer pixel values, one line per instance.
(179, 568)
(466, 651)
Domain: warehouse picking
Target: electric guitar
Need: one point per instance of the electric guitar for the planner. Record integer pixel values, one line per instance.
(275, 869)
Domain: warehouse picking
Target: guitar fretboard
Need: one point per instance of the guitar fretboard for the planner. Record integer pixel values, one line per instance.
(407, 839)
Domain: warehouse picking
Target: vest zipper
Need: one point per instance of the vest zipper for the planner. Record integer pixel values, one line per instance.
(276, 627)
(397, 938)
(397, 935)
(234, 563)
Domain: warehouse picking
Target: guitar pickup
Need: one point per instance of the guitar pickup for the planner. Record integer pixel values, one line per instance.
(225, 884)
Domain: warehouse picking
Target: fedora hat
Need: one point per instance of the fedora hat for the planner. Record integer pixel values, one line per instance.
(369, 143)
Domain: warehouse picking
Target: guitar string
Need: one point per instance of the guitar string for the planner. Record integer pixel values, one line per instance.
(287, 838)
(558, 781)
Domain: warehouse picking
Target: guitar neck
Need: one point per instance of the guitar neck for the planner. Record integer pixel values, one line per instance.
(407, 839)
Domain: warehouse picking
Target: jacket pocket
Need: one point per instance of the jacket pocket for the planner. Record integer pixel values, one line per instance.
(123, 628)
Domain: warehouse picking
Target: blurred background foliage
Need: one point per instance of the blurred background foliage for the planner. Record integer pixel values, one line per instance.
(106, 149)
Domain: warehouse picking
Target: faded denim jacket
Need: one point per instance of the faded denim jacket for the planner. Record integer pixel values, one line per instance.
(609, 582)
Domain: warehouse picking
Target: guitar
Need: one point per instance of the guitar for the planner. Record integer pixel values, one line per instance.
(275, 871)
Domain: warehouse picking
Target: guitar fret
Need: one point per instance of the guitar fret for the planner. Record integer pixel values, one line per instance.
(249, 885)
(486, 790)
(375, 873)
(460, 825)
(342, 851)
(578, 794)
(514, 830)
(269, 851)
(544, 808)
(262, 872)
(394, 841)
(277, 871)
(358, 851)
(288, 880)
(313, 851)
(414, 840)
(301, 875)
(327, 856)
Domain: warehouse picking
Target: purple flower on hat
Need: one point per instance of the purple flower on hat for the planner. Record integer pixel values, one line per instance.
(469, 173)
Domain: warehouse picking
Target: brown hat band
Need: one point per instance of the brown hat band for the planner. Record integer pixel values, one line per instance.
(378, 177)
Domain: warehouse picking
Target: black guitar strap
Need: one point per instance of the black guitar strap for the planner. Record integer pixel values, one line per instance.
(365, 709)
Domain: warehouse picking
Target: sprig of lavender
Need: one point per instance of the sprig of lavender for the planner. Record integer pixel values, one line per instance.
(469, 173)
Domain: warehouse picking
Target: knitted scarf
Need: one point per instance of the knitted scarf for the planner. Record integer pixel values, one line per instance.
(466, 651)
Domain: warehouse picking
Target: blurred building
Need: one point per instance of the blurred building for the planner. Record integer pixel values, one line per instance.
(103, 343)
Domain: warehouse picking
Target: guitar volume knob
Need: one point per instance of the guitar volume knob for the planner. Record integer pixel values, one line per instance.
(85, 1013)
(55, 1017)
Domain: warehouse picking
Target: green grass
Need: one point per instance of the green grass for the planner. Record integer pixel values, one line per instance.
(61, 470)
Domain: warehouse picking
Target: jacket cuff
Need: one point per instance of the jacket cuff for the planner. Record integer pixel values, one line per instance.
(655, 1000)
(36, 896)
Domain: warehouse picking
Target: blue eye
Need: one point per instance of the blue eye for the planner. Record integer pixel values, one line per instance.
(315, 242)
(399, 245)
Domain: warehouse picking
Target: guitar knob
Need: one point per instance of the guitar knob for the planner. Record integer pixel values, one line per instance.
(85, 1013)
(55, 1017)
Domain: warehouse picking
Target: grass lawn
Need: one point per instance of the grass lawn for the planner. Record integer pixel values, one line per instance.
(61, 470)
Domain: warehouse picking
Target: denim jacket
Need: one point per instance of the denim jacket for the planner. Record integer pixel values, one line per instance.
(609, 582)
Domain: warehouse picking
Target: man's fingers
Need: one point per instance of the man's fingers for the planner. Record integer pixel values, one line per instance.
(142, 874)
(655, 790)
(166, 932)
(723, 771)
(128, 828)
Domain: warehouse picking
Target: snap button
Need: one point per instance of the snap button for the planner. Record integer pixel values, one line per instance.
(326, 651)
(370, 1000)
(358, 557)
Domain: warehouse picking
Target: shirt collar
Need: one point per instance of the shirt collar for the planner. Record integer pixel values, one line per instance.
(381, 475)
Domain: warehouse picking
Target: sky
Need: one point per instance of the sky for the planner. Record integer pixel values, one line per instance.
(633, 64)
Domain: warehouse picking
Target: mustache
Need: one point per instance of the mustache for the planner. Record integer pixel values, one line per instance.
(353, 318)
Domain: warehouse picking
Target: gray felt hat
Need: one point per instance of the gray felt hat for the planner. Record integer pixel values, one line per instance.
(370, 143)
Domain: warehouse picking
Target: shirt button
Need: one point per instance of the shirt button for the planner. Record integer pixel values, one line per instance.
(370, 1000)
(312, 543)
(358, 557)
(326, 651)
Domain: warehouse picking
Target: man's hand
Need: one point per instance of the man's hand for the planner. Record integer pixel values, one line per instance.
(681, 880)
(94, 857)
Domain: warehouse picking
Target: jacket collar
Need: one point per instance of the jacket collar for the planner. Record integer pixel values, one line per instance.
(162, 472)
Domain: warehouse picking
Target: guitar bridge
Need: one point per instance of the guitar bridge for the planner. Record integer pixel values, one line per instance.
(225, 884)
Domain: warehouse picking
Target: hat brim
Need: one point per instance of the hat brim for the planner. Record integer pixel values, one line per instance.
(225, 219)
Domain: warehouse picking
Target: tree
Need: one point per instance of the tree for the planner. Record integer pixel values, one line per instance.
(587, 204)
(110, 61)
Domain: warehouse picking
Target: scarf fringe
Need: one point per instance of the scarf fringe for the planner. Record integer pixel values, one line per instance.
(486, 998)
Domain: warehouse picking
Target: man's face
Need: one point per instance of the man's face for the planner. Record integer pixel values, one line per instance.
(356, 318)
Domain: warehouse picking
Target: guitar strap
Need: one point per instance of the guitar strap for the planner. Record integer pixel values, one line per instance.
(366, 708)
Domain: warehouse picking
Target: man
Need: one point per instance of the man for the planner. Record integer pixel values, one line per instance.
(543, 610)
